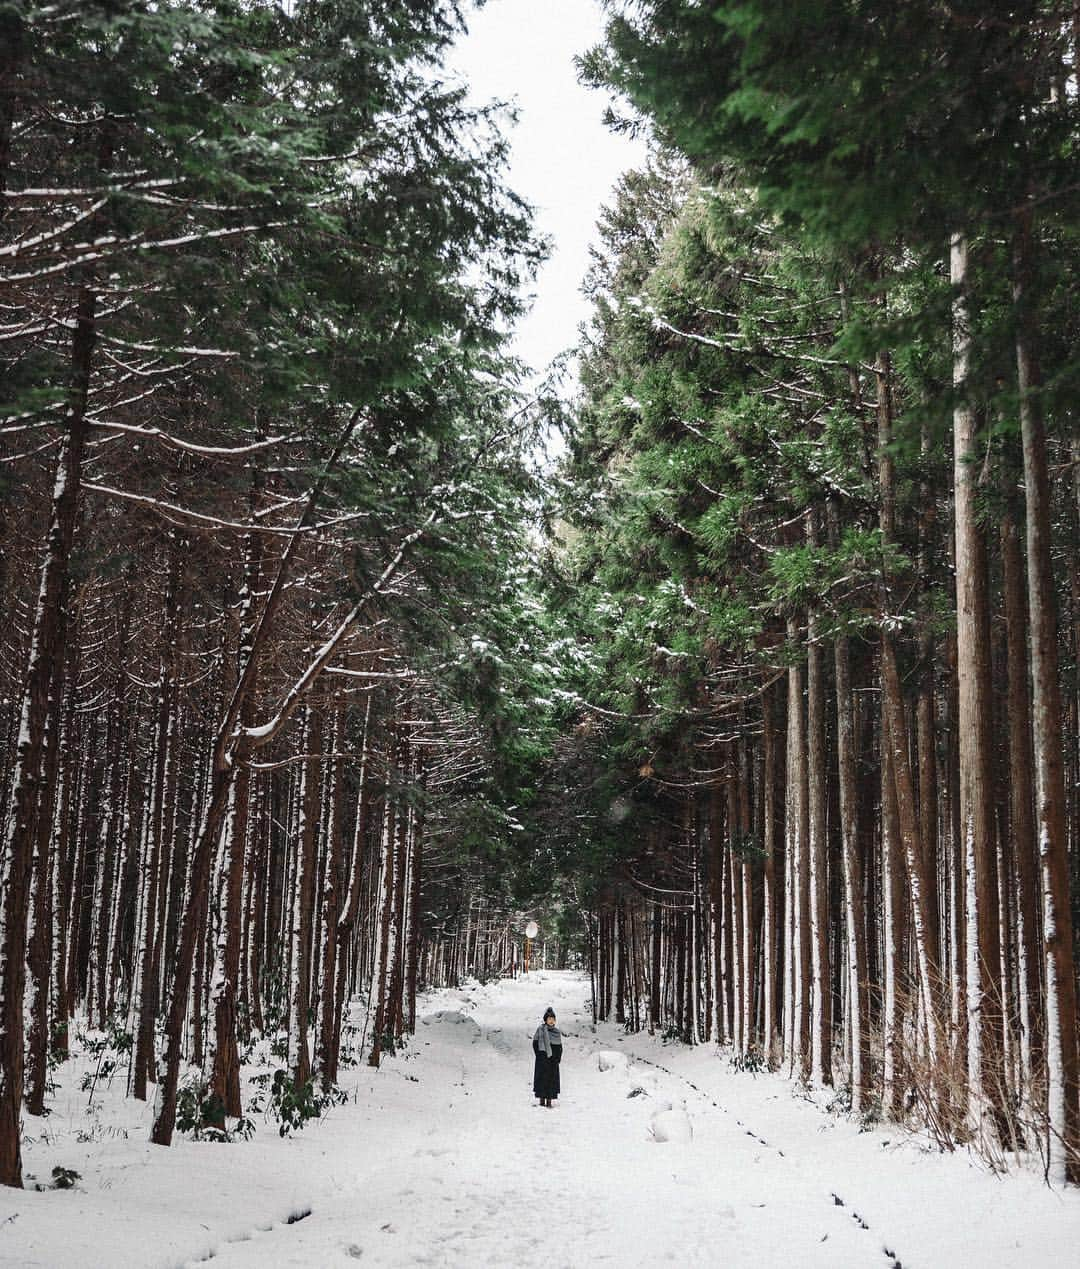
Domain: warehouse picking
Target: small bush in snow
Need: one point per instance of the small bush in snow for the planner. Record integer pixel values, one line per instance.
(62, 1179)
(752, 1061)
(350, 1046)
(200, 1114)
(108, 1048)
(871, 1115)
(292, 1107)
(840, 1102)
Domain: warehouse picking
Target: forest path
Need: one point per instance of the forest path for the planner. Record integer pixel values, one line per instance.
(442, 1157)
(459, 1166)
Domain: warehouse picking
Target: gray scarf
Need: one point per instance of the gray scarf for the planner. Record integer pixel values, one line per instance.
(547, 1036)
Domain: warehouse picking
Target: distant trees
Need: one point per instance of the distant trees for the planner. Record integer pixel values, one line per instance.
(806, 394)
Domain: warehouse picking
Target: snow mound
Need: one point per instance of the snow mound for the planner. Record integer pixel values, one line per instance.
(496, 1037)
(609, 1060)
(470, 1028)
(671, 1125)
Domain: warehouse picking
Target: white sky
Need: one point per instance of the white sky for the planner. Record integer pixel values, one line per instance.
(564, 161)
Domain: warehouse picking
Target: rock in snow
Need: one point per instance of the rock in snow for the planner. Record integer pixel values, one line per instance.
(609, 1060)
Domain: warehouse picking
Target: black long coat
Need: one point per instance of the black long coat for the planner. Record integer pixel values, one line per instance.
(546, 1071)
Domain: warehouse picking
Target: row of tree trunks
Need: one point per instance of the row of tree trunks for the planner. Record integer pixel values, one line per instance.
(898, 919)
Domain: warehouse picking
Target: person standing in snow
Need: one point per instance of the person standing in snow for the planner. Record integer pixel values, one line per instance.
(547, 1045)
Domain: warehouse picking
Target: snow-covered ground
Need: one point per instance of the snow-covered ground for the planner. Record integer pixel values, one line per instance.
(442, 1157)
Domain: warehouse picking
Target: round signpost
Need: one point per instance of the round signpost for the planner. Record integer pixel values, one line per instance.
(531, 931)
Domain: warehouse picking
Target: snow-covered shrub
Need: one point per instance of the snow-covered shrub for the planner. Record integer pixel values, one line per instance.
(108, 1047)
(751, 1062)
(200, 1114)
(610, 1060)
(292, 1107)
(62, 1179)
(351, 1041)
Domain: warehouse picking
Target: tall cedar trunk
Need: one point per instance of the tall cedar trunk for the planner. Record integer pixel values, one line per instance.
(925, 712)
(190, 929)
(920, 884)
(855, 926)
(770, 945)
(748, 911)
(716, 906)
(66, 858)
(225, 1075)
(78, 882)
(331, 903)
(39, 952)
(114, 824)
(146, 990)
(1021, 788)
(654, 975)
(734, 883)
(46, 654)
(347, 922)
(394, 1012)
(798, 870)
(727, 959)
(1061, 1039)
(892, 931)
(305, 891)
(255, 950)
(817, 852)
(899, 806)
(974, 721)
(384, 909)
(414, 928)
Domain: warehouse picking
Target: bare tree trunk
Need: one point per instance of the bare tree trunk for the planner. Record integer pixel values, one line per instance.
(347, 923)
(384, 923)
(817, 851)
(892, 929)
(769, 914)
(414, 924)
(798, 870)
(855, 921)
(1061, 1042)
(39, 957)
(225, 1075)
(305, 895)
(326, 1062)
(747, 899)
(974, 721)
(1021, 787)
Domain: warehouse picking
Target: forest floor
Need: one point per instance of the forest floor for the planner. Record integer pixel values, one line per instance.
(443, 1157)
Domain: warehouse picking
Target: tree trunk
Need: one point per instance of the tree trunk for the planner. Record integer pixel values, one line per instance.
(817, 852)
(1061, 1043)
(798, 961)
(769, 914)
(1021, 787)
(974, 722)
(47, 651)
(858, 1020)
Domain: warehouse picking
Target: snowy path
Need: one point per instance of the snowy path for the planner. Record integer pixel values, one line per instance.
(444, 1159)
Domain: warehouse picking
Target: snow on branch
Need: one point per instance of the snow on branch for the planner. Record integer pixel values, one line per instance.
(190, 447)
(169, 509)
